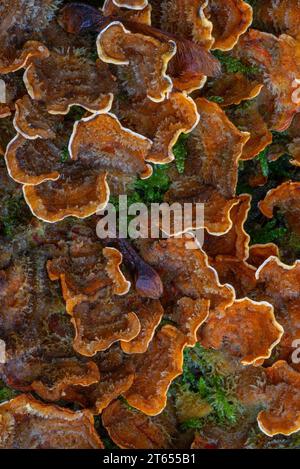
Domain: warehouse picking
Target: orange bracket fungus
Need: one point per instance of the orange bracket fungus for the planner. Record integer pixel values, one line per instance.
(248, 330)
(285, 197)
(185, 273)
(65, 80)
(132, 4)
(142, 15)
(214, 144)
(282, 401)
(161, 122)
(26, 423)
(101, 139)
(216, 24)
(155, 370)
(279, 284)
(131, 429)
(145, 56)
(280, 68)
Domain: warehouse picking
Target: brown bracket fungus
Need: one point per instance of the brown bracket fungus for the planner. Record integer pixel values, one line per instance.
(26, 423)
(117, 45)
(247, 329)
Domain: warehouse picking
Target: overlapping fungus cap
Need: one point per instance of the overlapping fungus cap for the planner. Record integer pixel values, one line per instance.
(26, 423)
(101, 140)
(247, 329)
(85, 267)
(145, 58)
(11, 88)
(234, 88)
(203, 21)
(131, 429)
(141, 15)
(277, 17)
(280, 67)
(214, 149)
(161, 122)
(64, 79)
(56, 187)
(39, 353)
(102, 309)
(279, 284)
(155, 370)
(116, 377)
(235, 243)
(250, 120)
(17, 36)
(286, 198)
(32, 120)
(282, 401)
(185, 273)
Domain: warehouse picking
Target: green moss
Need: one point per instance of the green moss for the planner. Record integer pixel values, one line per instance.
(234, 65)
(271, 232)
(263, 160)
(180, 152)
(152, 190)
(195, 424)
(216, 99)
(14, 213)
(6, 393)
(201, 376)
(64, 156)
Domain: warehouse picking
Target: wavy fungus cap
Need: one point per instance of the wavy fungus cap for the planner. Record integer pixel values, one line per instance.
(161, 122)
(26, 423)
(280, 16)
(250, 120)
(65, 79)
(131, 4)
(142, 15)
(235, 243)
(280, 284)
(286, 197)
(155, 370)
(282, 401)
(247, 329)
(146, 57)
(39, 353)
(279, 65)
(211, 170)
(234, 88)
(101, 139)
(185, 273)
(20, 25)
(131, 429)
(32, 120)
(78, 193)
(216, 24)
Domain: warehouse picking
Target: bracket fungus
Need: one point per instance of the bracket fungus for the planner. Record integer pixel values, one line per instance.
(205, 179)
(155, 370)
(26, 423)
(279, 67)
(247, 329)
(63, 80)
(282, 401)
(144, 55)
(171, 342)
(204, 22)
(161, 122)
(131, 429)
